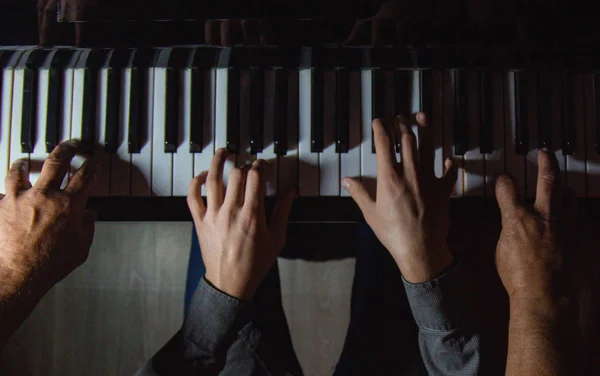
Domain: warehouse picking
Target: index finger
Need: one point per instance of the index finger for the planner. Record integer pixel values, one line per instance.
(426, 152)
(548, 194)
(81, 180)
(386, 158)
(56, 166)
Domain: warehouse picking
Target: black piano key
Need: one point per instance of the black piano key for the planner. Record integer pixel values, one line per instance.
(113, 100)
(544, 95)
(486, 113)
(279, 93)
(402, 92)
(597, 104)
(55, 97)
(377, 98)
(257, 91)
(196, 115)
(342, 110)
(568, 131)
(140, 61)
(521, 113)
(461, 128)
(317, 130)
(172, 110)
(90, 95)
(427, 92)
(233, 111)
(28, 115)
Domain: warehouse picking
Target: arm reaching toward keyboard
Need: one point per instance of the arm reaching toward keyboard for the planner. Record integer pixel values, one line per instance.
(45, 233)
(530, 264)
(238, 249)
(410, 216)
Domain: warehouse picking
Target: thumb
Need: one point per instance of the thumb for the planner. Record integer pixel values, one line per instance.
(506, 194)
(359, 194)
(281, 215)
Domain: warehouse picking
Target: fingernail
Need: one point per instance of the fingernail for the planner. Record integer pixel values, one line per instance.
(346, 183)
(421, 117)
(24, 166)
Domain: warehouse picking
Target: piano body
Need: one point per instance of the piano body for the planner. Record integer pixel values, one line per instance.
(154, 88)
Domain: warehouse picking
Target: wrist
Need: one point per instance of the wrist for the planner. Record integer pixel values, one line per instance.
(424, 266)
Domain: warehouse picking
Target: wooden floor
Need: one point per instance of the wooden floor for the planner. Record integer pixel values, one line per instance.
(126, 301)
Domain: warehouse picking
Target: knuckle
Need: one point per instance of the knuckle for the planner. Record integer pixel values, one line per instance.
(254, 174)
(549, 178)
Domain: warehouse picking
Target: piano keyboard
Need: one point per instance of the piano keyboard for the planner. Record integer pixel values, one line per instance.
(156, 116)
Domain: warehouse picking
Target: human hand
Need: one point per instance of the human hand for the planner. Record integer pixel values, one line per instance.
(529, 253)
(410, 215)
(238, 248)
(45, 232)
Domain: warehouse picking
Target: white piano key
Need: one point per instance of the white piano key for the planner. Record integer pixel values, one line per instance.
(268, 153)
(287, 165)
(5, 123)
(141, 174)
(437, 122)
(16, 115)
(415, 100)
(329, 160)
(494, 162)
(368, 160)
(557, 116)
(474, 160)
(221, 120)
(531, 166)
(79, 76)
(575, 164)
(120, 162)
(162, 163)
(101, 185)
(448, 92)
(39, 149)
(183, 160)
(592, 156)
(202, 160)
(350, 162)
(308, 184)
(515, 163)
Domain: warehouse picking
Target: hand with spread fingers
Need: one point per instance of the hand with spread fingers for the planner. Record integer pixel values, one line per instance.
(238, 247)
(45, 232)
(529, 258)
(410, 214)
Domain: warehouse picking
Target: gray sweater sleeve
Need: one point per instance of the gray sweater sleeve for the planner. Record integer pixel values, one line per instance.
(443, 309)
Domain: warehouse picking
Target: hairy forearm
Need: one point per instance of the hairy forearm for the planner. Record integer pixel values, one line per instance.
(533, 339)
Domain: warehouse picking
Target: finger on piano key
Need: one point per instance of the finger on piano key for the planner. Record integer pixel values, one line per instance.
(529, 115)
(267, 132)
(495, 161)
(515, 163)
(576, 163)
(202, 160)
(16, 109)
(112, 70)
(287, 165)
(30, 65)
(522, 107)
(101, 184)
(197, 73)
(67, 107)
(461, 127)
(120, 161)
(6, 113)
(141, 162)
(56, 96)
(474, 159)
(342, 110)
(317, 108)
(378, 95)
(308, 180)
(39, 152)
(544, 89)
(450, 106)
(329, 159)
(350, 162)
(233, 110)
(222, 133)
(183, 159)
(568, 126)
(279, 96)
(162, 161)
(257, 107)
(558, 115)
(486, 108)
(591, 86)
(368, 161)
(437, 118)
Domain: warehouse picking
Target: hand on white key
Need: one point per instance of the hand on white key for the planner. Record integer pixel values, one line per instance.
(410, 214)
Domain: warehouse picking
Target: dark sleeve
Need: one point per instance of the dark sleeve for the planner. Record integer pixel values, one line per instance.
(214, 322)
(444, 311)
